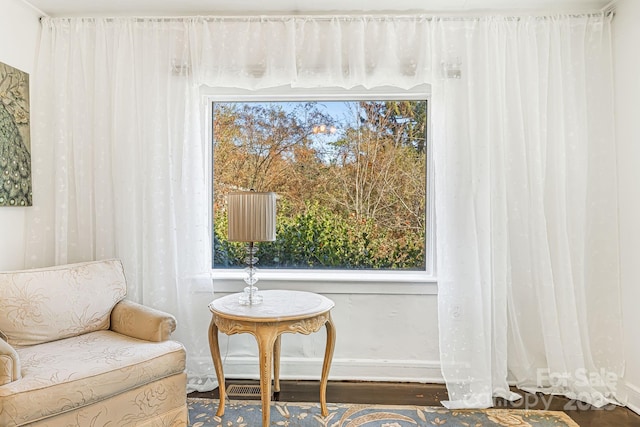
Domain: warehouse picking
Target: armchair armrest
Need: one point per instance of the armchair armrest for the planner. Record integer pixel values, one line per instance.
(9, 363)
(138, 321)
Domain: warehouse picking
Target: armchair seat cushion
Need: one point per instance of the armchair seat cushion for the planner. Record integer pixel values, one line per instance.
(75, 372)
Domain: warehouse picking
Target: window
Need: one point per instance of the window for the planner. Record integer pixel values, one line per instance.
(351, 179)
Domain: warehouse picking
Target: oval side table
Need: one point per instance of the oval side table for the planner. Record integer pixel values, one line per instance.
(280, 312)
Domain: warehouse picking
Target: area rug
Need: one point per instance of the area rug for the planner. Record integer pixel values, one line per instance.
(248, 413)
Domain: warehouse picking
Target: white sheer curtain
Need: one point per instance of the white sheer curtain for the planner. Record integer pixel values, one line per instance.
(119, 163)
(308, 52)
(526, 206)
(525, 170)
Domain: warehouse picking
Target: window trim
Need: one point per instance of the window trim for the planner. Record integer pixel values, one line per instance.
(330, 280)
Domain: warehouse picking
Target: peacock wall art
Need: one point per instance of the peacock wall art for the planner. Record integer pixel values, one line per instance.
(15, 140)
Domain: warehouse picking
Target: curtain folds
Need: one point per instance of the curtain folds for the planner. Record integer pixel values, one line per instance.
(120, 164)
(526, 209)
(313, 52)
(524, 163)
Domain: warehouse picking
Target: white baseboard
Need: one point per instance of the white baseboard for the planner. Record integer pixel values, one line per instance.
(633, 401)
(299, 368)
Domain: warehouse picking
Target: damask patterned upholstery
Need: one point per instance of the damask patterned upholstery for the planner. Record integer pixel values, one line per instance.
(49, 304)
(77, 354)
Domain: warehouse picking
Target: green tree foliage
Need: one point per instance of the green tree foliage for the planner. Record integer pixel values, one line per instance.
(320, 238)
(355, 199)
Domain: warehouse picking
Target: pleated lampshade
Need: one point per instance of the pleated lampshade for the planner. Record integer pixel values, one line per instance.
(252, 216)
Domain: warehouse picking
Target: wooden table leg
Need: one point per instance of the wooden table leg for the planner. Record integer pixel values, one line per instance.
(266, 337)
(276, 365)
(217, 362)
(326, 366)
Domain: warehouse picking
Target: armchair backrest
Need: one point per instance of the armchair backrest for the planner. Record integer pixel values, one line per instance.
(48, 304)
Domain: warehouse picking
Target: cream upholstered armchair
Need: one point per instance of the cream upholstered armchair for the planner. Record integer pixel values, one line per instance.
(75, 353)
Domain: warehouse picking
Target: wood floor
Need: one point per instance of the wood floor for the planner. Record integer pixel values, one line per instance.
(432, 394)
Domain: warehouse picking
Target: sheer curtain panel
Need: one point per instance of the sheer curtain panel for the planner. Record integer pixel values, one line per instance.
(526, 208)
(119, 163)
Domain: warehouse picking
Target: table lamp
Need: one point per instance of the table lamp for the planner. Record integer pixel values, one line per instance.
(252, 218)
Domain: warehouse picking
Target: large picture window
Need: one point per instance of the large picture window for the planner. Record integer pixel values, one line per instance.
(350, 179)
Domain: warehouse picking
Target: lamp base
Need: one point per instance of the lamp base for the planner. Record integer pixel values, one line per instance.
(250, 296)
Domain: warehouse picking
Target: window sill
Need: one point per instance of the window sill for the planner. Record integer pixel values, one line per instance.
(331, 282)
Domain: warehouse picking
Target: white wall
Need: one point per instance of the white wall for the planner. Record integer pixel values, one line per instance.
(19, 35)
(380, 337)
(627, 90)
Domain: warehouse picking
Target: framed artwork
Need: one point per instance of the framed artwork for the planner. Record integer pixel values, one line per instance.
(15, 138)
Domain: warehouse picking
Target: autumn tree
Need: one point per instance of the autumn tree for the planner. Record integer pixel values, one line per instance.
(380, 167)
(354, 197)
(266, 148)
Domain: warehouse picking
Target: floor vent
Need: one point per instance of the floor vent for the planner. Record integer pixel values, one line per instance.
(243, 390)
